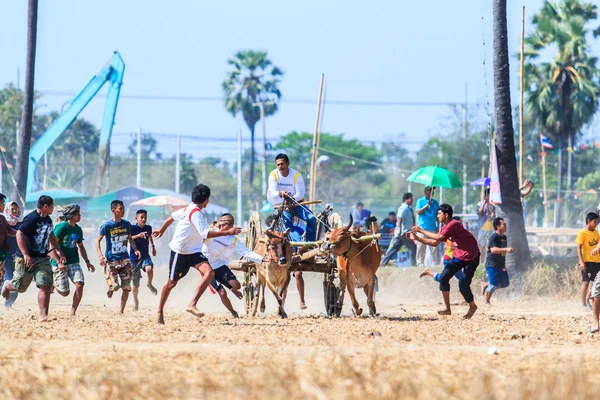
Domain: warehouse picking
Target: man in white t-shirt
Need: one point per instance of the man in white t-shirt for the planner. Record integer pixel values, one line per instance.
(287, 182)
(219, 252)
(186, 248)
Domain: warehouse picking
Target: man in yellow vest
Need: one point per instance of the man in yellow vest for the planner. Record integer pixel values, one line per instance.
(287, 182)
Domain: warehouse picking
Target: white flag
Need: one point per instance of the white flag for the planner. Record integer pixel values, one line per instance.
(495, 194)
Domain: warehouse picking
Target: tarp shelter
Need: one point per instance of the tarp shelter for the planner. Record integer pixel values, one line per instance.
(60, 197)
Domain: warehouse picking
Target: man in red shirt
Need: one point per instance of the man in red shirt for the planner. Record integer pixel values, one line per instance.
(466, 256)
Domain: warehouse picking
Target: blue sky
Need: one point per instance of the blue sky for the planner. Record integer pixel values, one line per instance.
(386, 51)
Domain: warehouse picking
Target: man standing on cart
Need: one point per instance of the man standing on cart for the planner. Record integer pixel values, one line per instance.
(284, 183)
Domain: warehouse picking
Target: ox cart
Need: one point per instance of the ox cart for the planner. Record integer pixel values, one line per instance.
(313, 260)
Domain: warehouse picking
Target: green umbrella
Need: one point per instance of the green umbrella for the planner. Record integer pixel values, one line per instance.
(435, 176)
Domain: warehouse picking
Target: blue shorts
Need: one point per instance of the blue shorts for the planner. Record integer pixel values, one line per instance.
(497, 278)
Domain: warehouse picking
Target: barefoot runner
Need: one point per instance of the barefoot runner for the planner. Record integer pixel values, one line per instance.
(495, 260)
(116, 262)
(186, 248)
(142, 236)
(6, 230)
(70, 239)
(465, 257)
(448, 254)
(219, 252)
(34, 238)
(13, 217)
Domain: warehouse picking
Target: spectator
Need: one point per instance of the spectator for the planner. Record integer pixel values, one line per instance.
(389, 224)
(427, 208)
(360, 215)
(404, 224)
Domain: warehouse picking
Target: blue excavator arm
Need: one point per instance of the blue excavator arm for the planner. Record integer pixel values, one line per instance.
(112, 72)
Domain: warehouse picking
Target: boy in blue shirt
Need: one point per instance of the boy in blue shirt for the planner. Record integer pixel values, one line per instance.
(117, 265)
(142, 236)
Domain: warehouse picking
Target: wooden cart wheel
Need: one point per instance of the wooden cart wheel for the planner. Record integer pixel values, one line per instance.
(331, 280)
(332, 290)
(250, 276)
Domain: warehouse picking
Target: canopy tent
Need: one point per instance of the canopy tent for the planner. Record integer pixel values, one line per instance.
(60, 197)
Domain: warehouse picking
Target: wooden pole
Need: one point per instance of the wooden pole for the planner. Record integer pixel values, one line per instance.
(315, 151)
(521, 133)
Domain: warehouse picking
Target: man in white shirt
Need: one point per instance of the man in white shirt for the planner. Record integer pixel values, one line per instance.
(287, 182)
(219, 252)
(186, 248)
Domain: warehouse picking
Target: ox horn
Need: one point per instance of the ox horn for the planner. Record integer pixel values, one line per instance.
(270, 234)
(286, 232)
(349, 223)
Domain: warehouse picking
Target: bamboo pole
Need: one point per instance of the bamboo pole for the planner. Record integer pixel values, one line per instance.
(313, 161)
(521, 67)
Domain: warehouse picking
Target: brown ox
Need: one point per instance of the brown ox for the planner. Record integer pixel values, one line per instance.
(357, 264)
(274, 271)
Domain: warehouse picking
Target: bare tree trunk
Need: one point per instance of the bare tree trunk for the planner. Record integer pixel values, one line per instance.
(511, 208)
(19, 193)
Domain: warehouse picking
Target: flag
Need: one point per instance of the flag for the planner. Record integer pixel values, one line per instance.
(495, 194)
(546, 142)
(570, 150)
(597, 144)
(583, 147)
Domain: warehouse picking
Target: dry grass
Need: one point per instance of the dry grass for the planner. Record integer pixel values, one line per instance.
(543, 348)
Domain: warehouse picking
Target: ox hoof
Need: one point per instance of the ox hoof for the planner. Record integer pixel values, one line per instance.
(282, 314)
(358, 312)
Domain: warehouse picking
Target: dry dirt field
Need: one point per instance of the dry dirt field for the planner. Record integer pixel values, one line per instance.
(519, 348)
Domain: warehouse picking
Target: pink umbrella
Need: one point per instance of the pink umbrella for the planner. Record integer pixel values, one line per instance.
(163, 201)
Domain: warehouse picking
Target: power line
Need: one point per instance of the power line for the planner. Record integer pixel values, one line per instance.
(283, 99)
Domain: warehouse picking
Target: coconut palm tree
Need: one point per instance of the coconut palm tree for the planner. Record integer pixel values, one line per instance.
(253, 79)
(562, 93)
(511, 208)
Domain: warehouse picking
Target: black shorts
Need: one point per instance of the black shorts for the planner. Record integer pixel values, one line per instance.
(591, 270)
(180, 264)
(222, 277)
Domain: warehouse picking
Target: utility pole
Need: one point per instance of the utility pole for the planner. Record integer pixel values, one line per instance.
(82, 170)
(45, 186)
(178, 163)
(315, 150)
(1, 176)
(261, 106)
(25, 137)
(139, 159)
(465, 147)
(239, 177)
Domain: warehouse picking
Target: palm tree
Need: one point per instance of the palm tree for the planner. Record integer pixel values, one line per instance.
(18, 193)
(562, 93)
(511, 207)
(253, 79)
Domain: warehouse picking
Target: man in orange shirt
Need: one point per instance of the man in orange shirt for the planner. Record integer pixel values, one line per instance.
(587, 240)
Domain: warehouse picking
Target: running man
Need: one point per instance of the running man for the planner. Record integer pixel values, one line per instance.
(495, 261)
(465, 257)
(219, 251)
(116, 262)
(448, 255)
(5, 231)
(589, 262)
(142, 236)
(70, 239)
(34, 238)
(285, 182)
(13, 217)
(186, 248)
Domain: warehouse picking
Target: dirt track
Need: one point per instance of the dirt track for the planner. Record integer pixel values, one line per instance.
(543, 350)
